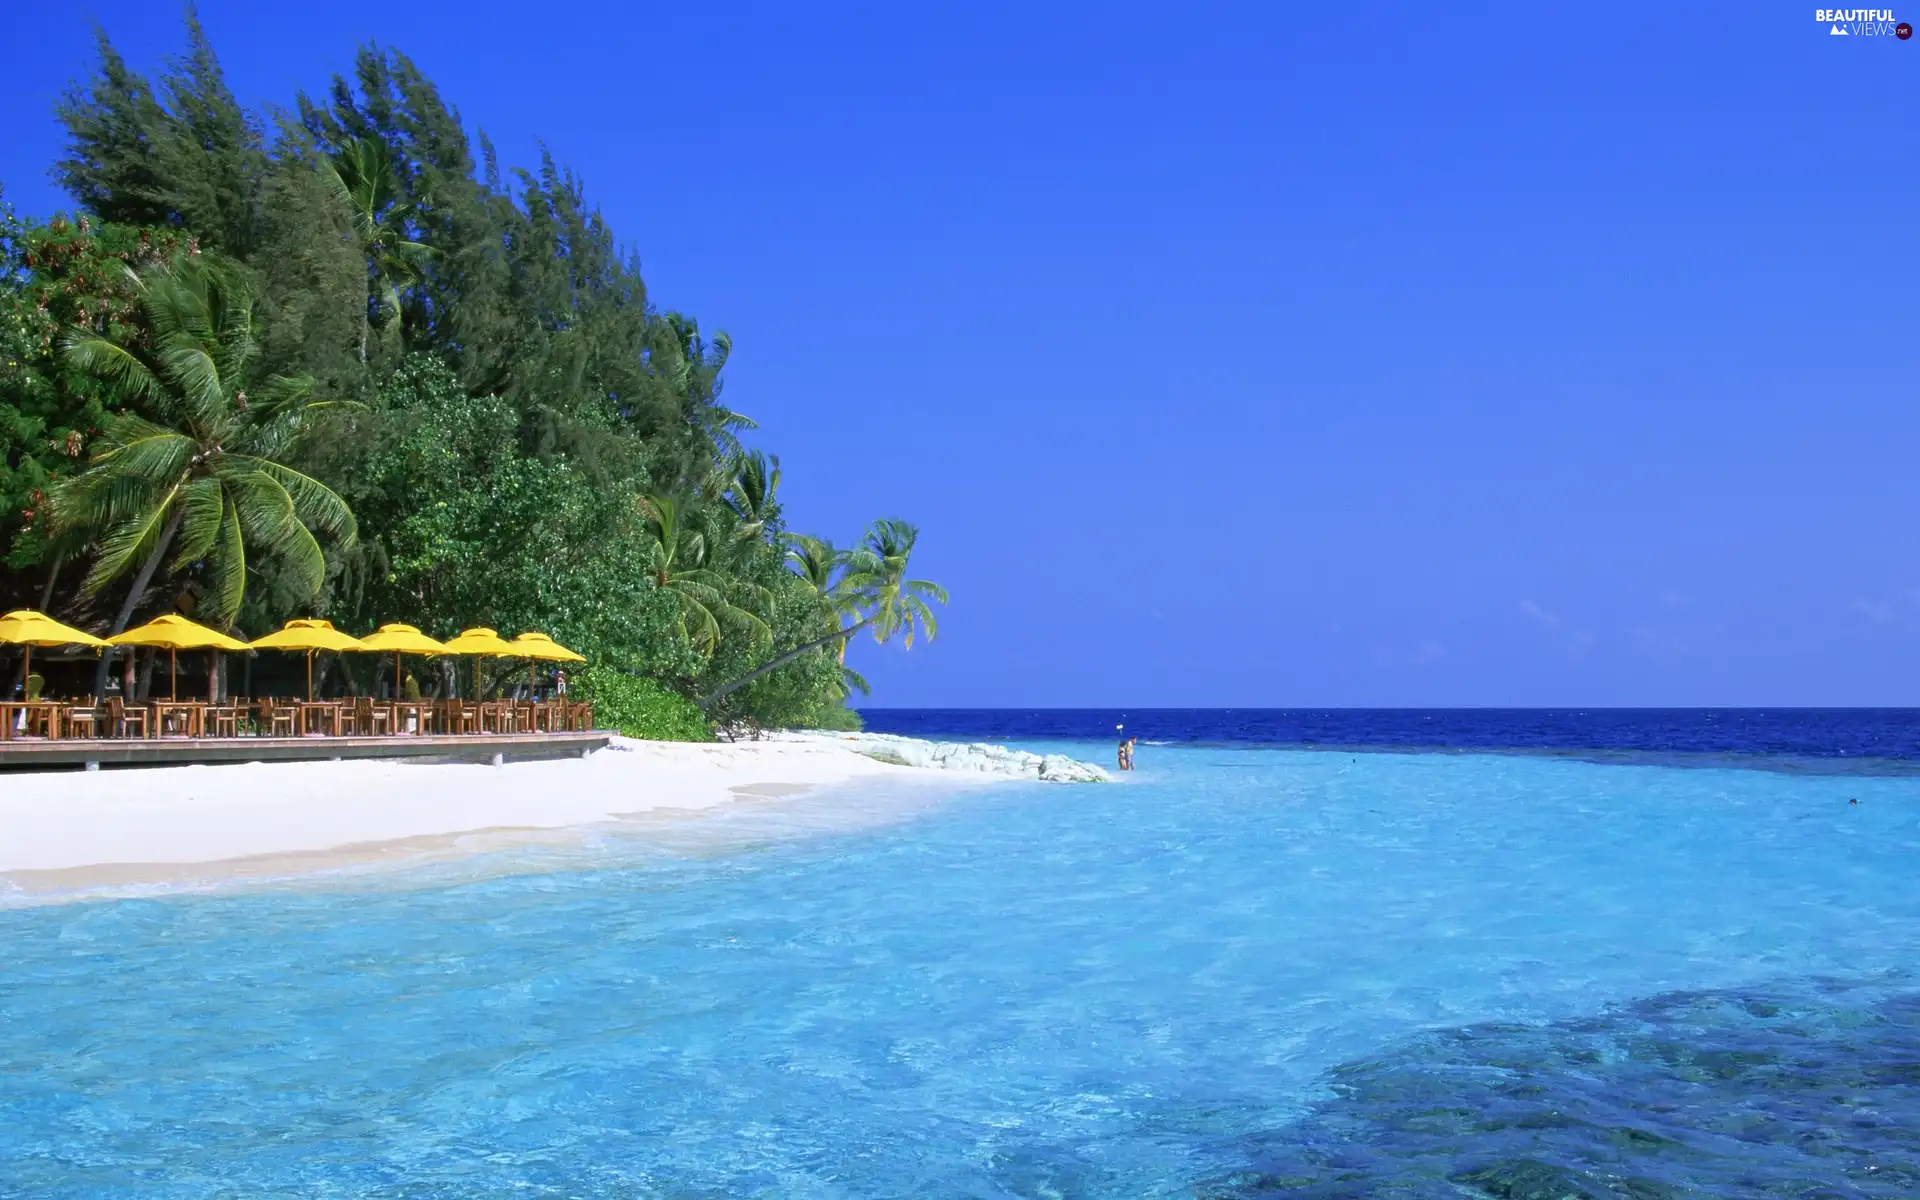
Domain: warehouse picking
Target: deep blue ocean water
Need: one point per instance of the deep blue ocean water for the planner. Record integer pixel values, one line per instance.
(1247, 970)
(1849, 740)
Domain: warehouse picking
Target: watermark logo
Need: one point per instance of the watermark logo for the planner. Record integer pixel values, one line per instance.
(1862, 22)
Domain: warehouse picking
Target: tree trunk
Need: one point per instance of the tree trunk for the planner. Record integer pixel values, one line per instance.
(143, 681)
(774, 664)
(53, 573)
(140, 583)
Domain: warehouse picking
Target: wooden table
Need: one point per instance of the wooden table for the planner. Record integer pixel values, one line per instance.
(543, 716)
(37, 712)
(417, 711)
(497, 716)
(224, 718)
(329, 713)
(190, 713)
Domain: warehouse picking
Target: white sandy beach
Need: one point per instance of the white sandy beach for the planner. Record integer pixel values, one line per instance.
(74, 831)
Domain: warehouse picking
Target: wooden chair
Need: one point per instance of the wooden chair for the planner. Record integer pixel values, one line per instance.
(43, 720)
(370, 719)
(87, 714)
(277, 719)
(222, 720)
(457, 716)
(123, 719)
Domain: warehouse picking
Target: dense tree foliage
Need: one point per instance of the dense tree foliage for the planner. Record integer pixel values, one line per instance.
(342, 363)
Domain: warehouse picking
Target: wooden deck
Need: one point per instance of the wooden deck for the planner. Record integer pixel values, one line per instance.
(93, 753)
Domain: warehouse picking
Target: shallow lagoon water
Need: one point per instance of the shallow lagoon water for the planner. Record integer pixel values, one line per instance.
(1240, 972)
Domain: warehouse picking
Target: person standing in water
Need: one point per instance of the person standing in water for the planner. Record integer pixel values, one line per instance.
(1126, 753)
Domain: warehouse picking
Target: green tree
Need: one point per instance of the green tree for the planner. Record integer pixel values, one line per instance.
(362, 179)
(459, 527)
(519, 388)
(191, 463)
(751, 495)
(872, 581)
(188, 157)
(681, 556)
(61, 274)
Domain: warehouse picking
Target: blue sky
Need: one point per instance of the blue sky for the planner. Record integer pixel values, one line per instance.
(1263, 355)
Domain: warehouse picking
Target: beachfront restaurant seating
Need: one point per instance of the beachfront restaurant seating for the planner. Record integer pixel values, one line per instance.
(358, 716)
(123, 720)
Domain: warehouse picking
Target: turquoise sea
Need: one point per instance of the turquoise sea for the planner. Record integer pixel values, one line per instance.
(1244, 971)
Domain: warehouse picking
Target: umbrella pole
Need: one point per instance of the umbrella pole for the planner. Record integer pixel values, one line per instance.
(309, 677)
(26, 670)
(173, 674)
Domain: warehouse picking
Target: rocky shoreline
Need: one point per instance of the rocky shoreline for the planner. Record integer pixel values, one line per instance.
(956, 756)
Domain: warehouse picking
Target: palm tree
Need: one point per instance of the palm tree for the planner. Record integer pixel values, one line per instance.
(361, 177)
(822, 566)
(682, 566)
(750, 494)
(192, 463)
(690, 365)
(872, 580)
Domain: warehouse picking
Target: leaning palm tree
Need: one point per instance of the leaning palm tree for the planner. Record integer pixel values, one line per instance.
(872, 580)
(362, 178)
(823, 566)
(192, 462)
(682, 566)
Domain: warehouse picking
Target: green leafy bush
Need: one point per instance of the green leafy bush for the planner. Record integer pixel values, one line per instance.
(640, 708)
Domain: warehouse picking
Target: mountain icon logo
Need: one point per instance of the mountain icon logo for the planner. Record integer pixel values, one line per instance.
(1836, 31)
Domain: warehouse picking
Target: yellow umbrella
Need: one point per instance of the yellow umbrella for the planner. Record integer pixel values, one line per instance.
(176, 633)
(26, 628)
(308, 635)
(481, 643)
(401, 639)
(532, 646)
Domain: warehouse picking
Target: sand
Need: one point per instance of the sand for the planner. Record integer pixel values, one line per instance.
(72, 832)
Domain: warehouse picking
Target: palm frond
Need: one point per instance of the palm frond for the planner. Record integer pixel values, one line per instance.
(196, 383)
(143, 450)
(128, 543)
(852, 681)
(227, 564)
(269, 519)
(316, 505)
(113, 364)
(202, 507)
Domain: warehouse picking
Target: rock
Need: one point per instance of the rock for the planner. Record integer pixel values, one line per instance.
(1525, 1179)
(957, 756)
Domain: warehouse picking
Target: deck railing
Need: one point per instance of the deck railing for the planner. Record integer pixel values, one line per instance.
(357, 716)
